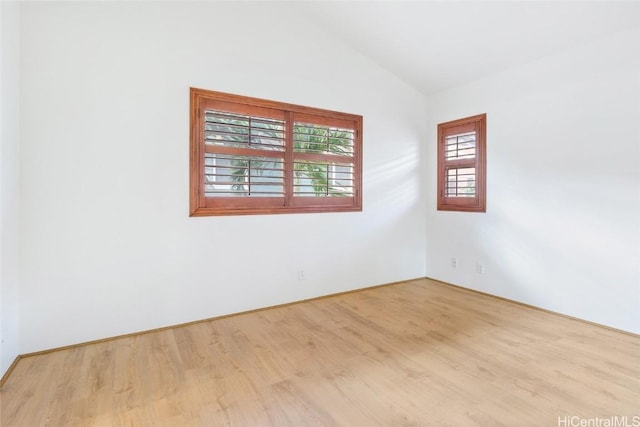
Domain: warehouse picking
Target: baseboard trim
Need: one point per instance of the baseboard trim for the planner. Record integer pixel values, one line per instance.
(336, 294)
(13, 365)
(555, 313)
(209, 319)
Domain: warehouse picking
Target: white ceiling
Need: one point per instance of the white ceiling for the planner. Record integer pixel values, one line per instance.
(434, 45)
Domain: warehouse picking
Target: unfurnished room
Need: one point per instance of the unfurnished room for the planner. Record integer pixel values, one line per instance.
(334, 213)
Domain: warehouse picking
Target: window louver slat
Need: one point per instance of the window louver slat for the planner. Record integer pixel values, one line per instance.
(312, 138)
(460, 146)
(461, 182)
(255, 156)
(323, 179)
(237, 130)
(243, 176)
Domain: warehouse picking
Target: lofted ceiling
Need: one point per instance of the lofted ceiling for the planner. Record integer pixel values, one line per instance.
(435, 45)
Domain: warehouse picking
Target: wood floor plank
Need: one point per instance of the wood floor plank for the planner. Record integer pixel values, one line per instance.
(417, 353)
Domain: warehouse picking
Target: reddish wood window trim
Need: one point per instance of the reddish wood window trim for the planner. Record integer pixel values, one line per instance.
(200, 205)
(446, 201)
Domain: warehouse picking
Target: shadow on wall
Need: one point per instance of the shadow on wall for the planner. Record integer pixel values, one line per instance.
(562, 256)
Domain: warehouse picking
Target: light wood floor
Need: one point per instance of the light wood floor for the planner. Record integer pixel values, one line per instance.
(417, 353)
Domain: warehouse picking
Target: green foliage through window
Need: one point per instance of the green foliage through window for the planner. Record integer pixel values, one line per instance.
(255, 156)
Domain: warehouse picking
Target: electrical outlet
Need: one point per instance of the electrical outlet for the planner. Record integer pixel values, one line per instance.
(454, 262)
(479, 268)
(300, 274)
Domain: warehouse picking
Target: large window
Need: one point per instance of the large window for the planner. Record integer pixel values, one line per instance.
(253, 156)
(462, 164)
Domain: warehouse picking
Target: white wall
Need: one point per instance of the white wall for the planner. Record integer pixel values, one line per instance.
(562, 227)
(107, 246)
(9, 218)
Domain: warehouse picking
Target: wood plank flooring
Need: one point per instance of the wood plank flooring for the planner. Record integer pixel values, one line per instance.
(417, 353)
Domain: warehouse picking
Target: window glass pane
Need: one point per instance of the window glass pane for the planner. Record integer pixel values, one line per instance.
(258, 156)
(323, 179)
(237, 130)
(461, 146)
(228, 175)
(311, 138)
(461, 182)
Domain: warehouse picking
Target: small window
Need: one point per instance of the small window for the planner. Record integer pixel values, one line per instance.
(462, 164)
(253, 156)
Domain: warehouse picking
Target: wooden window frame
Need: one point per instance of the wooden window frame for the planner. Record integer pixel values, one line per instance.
(478, 123)
(201, 205)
